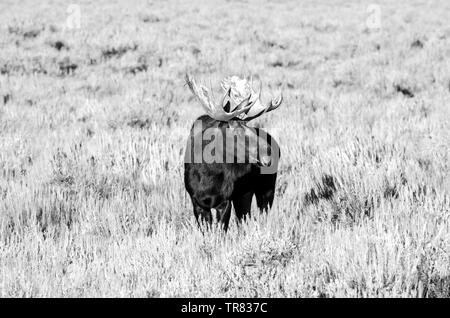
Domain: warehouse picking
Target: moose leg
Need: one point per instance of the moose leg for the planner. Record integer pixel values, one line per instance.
(265, 192)
(242, 205)
(202, 215)
(264, 200)
(224, 213)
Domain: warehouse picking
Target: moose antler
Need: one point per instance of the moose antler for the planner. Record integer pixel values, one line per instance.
(272, 105)
(214, 110)
(244, 102)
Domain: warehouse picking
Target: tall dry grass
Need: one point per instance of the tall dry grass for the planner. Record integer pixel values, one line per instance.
(93, 123)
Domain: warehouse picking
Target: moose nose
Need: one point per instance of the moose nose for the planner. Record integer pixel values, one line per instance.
(265, 161)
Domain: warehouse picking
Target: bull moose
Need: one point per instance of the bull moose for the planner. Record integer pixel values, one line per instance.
(226, 161)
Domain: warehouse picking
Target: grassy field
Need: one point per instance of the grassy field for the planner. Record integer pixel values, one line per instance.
(93, 123)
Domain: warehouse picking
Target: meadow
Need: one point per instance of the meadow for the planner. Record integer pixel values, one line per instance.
(94, 116)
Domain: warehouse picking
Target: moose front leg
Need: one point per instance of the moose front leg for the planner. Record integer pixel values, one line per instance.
(202, 215)
(242, 206)
(223, 214)
(265, 191)
(264, 200)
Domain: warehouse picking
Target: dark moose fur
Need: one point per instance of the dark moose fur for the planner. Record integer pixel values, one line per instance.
(216, 185)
